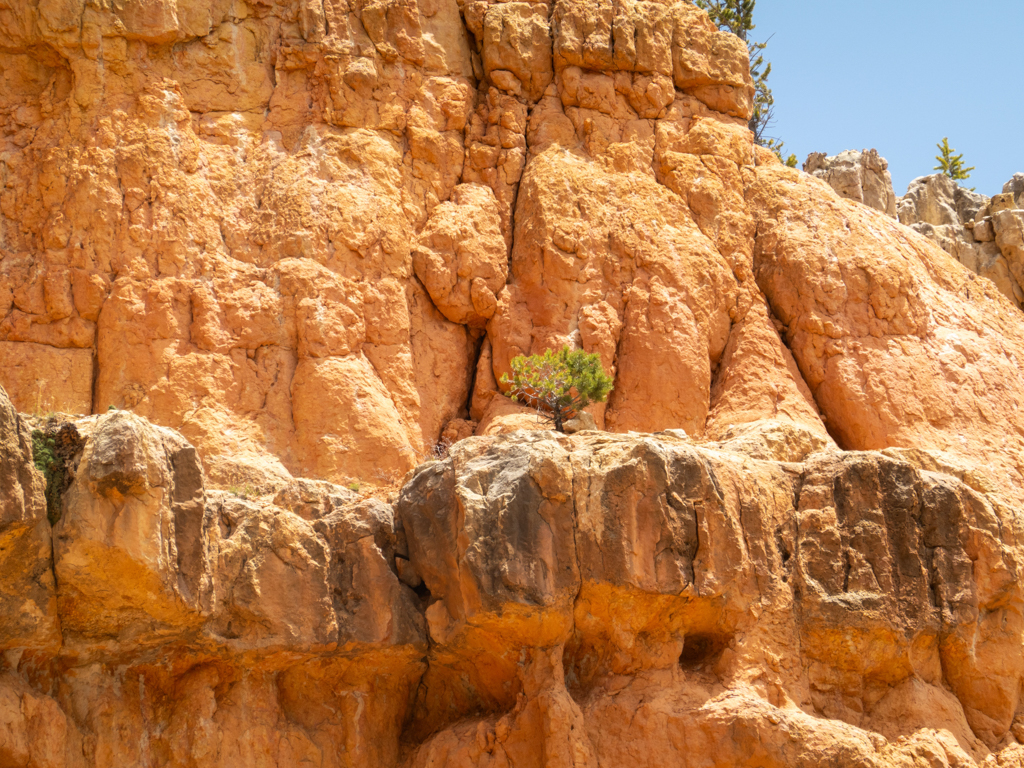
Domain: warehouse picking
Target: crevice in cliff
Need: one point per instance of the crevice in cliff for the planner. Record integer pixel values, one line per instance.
(478, 342)
(56, 588)
(417, 697)
(327, 18)
(512, 214)
(782, 333)
(94, 384)
(928, 552)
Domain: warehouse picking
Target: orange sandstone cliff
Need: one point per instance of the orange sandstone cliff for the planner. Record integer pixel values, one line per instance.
(295, 244)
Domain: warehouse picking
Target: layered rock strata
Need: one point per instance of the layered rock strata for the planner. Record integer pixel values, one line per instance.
(534, 599)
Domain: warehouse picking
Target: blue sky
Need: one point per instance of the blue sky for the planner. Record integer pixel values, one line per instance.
(898, 76)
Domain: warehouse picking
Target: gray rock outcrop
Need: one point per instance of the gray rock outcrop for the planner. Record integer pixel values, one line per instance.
(984, 234)
(981, 233)
(861, 176)
(1015, 187)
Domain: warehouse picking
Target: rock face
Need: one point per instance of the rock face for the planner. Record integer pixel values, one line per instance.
(1015, 187)
(258, 223)
(208, 215)
(234, 625)
(965, 224)
(27, 597)
(149, 482)
(576, 598)
(297, 244)
(977, 231)
(621, 591)
(861, 176)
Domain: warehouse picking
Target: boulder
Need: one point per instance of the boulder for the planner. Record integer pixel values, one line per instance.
(1015, 187)
(861, 176)
(316, 571)
(579, 423)
(1002, 202)
(461, 256)
(774, 440)
(133, 551)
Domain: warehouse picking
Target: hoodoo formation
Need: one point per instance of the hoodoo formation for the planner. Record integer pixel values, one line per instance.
(259, 257)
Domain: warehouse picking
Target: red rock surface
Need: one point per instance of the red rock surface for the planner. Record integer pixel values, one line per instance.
(534, 599)
(296, 244)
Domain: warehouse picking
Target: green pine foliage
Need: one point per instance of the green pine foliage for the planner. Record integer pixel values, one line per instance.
(53, 449)
(46, 460)
(764, 101)
(950, 164)
(560, 384)
(737, 17)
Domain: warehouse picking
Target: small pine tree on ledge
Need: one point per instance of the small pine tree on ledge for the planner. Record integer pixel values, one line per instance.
(951, 165)
(560, 384)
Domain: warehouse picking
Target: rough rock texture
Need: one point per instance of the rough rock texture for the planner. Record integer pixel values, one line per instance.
(215, 205)
(964, 224)
(901, 346)
(577, 599)
(1015, 187)
(861, 176)
(27, 608)
(193, 628)
(461, 256)
(215, 215)
(298, 243)
(616, 592)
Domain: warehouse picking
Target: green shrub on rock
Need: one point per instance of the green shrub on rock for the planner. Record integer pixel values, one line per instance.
(559, 384)
(52, 451)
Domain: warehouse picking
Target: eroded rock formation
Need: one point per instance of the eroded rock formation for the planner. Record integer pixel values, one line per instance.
(293, 244)
(277, 227)
(984, 234)
(171, 625)
(861, 176)
(534, 599)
